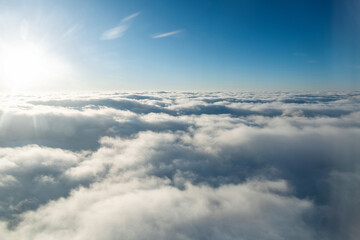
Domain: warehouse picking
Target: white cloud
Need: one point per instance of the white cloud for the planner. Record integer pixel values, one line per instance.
(119, 31)
(180, 165)
(70, 31)
(125, 19)
(167, 34)
(113, 33)
(151, 209)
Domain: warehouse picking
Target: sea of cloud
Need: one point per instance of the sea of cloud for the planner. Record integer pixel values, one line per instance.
(180, 165)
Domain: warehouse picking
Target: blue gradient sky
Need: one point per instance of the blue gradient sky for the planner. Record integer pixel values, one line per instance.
(220, 45)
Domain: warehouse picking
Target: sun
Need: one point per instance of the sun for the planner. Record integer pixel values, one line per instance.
(26, 66)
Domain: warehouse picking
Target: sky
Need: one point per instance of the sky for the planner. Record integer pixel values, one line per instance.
(179, 45)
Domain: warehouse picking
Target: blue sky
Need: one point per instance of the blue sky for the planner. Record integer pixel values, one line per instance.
(211, 45)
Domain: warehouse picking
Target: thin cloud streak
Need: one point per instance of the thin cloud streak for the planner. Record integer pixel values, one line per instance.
(114, 33)
(119, 31)
(167, 34)
(70, 31)
(125, 19)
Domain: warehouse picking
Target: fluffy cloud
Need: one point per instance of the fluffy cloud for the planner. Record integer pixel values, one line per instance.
(180, 165)
(152, 209)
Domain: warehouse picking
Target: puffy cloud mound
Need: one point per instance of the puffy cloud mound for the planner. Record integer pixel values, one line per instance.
(180, 165)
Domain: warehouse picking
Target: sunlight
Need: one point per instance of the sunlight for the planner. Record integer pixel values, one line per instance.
(27, 66)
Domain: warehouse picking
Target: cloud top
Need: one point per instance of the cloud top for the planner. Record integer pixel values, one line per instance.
(182, 165)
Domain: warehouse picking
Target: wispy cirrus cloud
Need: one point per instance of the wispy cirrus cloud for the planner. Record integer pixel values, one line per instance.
(125, 19)
(71, 31)
(161, 35)
(119, 31)
(114, 33)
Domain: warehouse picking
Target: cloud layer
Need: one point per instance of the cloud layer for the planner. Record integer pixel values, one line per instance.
(180, 165)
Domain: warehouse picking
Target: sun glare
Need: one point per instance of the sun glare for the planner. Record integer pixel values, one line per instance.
(28, 66)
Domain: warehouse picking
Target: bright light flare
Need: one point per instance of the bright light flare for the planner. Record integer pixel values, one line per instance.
(28, 66)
